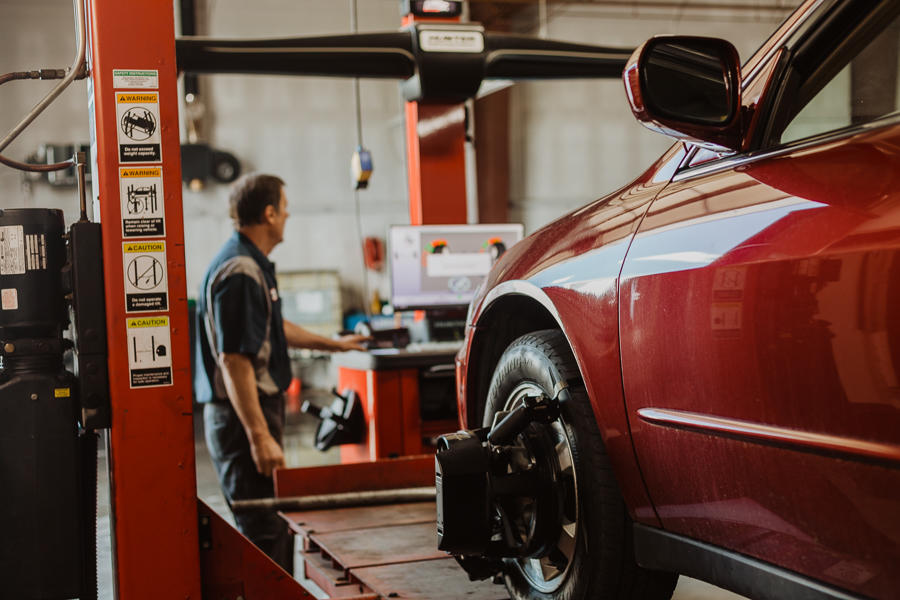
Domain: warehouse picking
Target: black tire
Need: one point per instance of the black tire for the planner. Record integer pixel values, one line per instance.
(601, 561)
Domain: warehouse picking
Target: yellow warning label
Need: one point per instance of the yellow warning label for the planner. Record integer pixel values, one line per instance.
(62, 393)
(145, 172)
(137, 98)
(144, 247)
(148, 322)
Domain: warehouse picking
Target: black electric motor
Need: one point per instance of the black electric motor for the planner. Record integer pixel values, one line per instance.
(41, 547)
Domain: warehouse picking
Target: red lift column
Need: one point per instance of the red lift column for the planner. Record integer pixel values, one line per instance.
(435, 148)
(138, 166)
(436, 159)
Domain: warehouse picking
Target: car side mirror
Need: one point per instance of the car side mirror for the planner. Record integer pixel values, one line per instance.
(688, 88)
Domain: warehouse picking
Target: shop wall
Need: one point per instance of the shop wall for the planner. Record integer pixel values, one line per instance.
(571, 142)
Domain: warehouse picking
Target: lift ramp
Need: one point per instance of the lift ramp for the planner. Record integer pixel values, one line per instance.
(375, 552)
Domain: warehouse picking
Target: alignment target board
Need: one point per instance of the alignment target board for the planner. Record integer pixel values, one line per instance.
(149, 352)
(137, 114)
(146, 283)
(141, 195)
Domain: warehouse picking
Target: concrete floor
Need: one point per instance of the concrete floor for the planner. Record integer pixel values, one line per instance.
(298, 452)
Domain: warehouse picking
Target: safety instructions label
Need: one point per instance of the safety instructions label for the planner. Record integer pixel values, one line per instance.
(149, 352)
(138, 126)
(136, 78)
(146, 284)
(12, 250)
(141, 196)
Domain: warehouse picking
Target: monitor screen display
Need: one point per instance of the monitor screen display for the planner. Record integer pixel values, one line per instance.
(442, 265)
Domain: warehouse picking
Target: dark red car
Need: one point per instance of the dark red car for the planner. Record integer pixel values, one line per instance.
(700, 373)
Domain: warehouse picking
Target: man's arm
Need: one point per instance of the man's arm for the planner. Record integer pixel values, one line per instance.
(240, 383)
(297, 337)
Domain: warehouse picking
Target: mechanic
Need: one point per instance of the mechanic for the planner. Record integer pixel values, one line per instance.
(242, 363)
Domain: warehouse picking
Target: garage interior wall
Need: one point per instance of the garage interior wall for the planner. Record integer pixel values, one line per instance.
(570, 142)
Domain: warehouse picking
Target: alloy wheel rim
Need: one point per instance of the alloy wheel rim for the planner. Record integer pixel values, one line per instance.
(547, 573)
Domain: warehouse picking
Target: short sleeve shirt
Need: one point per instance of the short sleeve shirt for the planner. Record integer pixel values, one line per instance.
(239, 311)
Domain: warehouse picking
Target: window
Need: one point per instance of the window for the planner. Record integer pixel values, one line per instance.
(864, 88)
(841, 71)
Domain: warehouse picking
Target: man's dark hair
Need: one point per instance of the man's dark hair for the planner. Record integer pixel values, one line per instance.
(251, 194)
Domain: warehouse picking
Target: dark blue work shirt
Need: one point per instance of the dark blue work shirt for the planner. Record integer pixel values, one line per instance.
(239, 311)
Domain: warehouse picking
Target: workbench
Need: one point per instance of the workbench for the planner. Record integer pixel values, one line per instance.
(408, 398)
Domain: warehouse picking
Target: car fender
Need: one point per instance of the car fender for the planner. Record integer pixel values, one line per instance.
(597, 359)
(565, 276)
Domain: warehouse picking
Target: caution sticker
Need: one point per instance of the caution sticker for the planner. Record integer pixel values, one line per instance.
(141, 196)
(136, 79)
(146, 284)
(149, 352)
(138, 126)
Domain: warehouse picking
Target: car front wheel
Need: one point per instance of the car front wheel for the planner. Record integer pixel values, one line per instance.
(581, 533)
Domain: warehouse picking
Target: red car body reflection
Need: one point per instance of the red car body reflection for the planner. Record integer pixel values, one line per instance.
(737, 325)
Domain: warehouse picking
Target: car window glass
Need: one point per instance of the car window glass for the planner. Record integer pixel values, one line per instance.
(865, 89)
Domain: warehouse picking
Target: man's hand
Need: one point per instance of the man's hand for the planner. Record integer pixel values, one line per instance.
(352, 342)
(298, 337)
(267, 454)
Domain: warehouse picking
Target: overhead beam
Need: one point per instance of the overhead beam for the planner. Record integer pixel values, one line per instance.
(632, 4)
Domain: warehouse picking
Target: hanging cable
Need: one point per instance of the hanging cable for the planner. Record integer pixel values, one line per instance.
(38, 74)
(78, 70)
(354, 28)
(43, 74)
(37, 168)
(542, 18)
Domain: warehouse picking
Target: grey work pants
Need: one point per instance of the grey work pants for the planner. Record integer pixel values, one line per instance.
(239, 479)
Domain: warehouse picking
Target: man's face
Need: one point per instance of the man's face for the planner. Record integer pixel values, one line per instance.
(278, 218)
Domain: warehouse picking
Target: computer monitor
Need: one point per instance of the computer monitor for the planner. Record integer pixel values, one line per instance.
(440, 266)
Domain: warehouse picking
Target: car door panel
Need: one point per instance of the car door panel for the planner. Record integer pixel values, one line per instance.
(760, 335)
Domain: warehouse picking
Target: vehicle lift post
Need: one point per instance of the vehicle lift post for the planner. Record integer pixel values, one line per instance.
(157, 541)
(153, 490)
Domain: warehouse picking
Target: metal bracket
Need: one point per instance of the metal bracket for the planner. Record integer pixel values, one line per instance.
(205, 533)
(540, 408)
